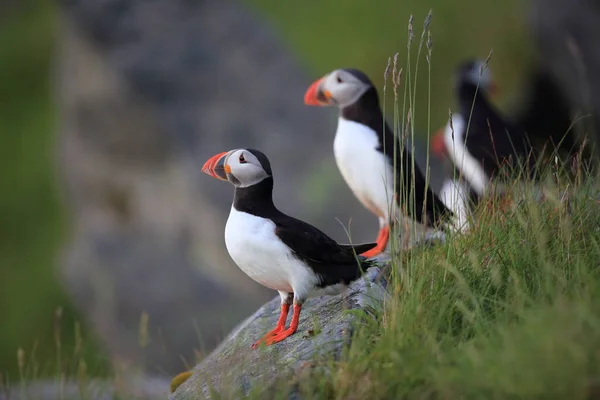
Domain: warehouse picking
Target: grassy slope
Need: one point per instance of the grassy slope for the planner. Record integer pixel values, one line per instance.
(31, 218)
(510, 311)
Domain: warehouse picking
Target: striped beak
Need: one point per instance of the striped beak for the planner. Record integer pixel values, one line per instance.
(316, 96)
(216, 167)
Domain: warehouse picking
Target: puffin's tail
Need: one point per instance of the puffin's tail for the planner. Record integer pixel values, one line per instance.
(358, 248)
(351, 268)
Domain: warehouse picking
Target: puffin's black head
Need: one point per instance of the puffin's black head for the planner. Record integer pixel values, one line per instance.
(241, 167)
(342, 88)
(473, 73)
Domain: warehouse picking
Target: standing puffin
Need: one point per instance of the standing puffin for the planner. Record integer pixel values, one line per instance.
(276, 250)
(364, 149)
(490, 142)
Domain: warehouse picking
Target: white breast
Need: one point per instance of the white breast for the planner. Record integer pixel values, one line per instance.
(454, 194)
(254, 247)
(366, 171)
(469, 167)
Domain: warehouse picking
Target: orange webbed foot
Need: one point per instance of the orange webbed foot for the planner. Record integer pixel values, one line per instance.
(272, 338)
(278, 328)
(382, 240)
(280, 336)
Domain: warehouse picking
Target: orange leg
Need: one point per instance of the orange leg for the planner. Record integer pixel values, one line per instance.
(382, 240)
(285, 308)
(289, 331)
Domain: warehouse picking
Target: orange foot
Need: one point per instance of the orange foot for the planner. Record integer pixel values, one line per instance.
(280, 336)
(278, 328)
(382, 240)
(271, 338)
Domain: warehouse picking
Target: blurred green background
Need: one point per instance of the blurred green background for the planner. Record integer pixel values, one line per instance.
(323, 34)
(327, 35)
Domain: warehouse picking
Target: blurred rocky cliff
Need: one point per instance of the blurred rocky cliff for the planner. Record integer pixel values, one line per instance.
(148, 90)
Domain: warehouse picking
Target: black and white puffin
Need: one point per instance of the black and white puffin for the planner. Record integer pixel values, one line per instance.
(364, 152)
(276, 250)
(491, 141)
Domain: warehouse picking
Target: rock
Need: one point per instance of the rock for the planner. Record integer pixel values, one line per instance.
(324, 330)
(147, 91)
(146, 388)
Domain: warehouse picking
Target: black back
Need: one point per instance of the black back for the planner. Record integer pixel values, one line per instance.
(332, 262)
(367, 111)
(492, 140)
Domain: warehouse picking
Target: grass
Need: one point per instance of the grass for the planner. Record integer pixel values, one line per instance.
(510, 311)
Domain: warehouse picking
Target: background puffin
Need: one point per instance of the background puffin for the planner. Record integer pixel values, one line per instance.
(490, 142)
(365, 150)
(276, 250)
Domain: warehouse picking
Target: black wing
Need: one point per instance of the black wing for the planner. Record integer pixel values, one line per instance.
(425, 198)
(368, 112)
(359, 248)
(334, 263)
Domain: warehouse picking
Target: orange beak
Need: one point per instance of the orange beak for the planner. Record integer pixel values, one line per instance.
(314, 96)
(438, 145)
(216, 167)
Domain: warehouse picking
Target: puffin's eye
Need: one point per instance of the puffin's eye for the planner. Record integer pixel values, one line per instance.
(339, 80)
(242, 159)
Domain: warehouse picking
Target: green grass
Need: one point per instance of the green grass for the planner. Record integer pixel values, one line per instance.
(511, 310)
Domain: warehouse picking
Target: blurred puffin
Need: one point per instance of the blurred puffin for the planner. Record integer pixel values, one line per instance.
(276, 250)
(491, 141)
(364, 149)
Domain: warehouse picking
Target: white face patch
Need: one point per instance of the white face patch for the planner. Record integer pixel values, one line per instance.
(244, 168)
(480, 74)
(344, 87)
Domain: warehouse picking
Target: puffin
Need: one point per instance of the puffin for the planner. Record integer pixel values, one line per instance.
(456, 191)
(276, 250)
(491, 141)
(366, 153)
